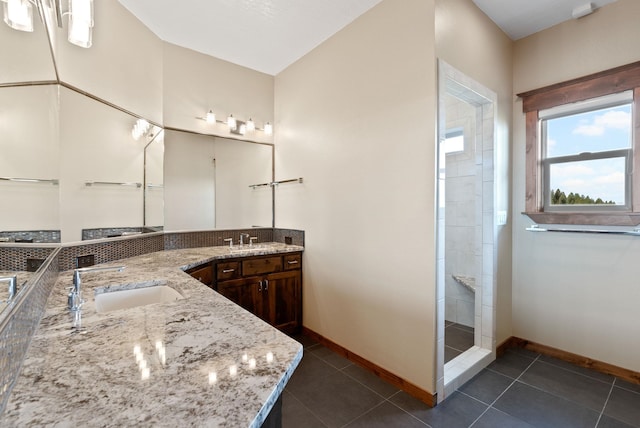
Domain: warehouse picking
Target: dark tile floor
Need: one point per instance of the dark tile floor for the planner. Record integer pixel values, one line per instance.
(457, 339)
(520, 389)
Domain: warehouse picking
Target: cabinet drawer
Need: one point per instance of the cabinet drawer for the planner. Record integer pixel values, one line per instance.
(260, 266)
(228, 270)
(292, 261)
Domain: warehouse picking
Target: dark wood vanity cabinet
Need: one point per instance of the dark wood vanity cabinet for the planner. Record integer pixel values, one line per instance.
(268, 286)
(203, 273)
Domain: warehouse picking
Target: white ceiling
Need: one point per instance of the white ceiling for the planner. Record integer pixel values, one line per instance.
(270, 35)
(521, 18)
(264, 35)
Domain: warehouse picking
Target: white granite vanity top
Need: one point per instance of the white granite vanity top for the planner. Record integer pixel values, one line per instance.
(199, 361)
(23, 277)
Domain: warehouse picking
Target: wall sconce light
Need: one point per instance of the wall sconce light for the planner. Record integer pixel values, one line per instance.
(236, 126)
(18, 14)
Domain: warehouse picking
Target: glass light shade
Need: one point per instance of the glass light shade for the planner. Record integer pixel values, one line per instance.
(18, 14)
(81, 23)
(251, 126)
(243, 129)
(268, 128)
(81, 11)
(211, 117)
(80, 34)
(231, 121)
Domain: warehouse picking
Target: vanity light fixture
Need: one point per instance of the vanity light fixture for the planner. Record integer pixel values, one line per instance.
(18, 14)
(236, 126)
(80, 22)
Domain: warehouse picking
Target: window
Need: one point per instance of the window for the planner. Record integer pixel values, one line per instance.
(583, 144)
(586, 154)
(454, 141)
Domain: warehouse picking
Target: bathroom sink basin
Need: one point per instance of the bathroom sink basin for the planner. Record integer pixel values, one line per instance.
(131, 298)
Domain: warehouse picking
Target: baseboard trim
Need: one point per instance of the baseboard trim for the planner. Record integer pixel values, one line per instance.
(579, 360)
(426, 397)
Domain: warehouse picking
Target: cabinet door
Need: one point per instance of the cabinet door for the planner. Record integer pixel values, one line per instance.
(244, 292)
(284, 295)
(203, 274)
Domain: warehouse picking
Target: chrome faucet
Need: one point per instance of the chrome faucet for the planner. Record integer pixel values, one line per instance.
(251, 239)
(74, 298)
(13, 285)
(243, 235)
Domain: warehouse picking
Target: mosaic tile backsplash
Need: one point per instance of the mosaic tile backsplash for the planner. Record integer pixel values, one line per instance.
(15, 258)
(19, 321)
(213, 238)
(113, 249)
(31, 236)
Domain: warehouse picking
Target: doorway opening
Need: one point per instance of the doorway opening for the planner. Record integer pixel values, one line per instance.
(466, 254)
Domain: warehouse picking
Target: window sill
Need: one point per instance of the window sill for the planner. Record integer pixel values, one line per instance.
(595, 219)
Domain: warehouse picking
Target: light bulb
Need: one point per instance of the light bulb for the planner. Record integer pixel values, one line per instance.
(231, 121)
(268, 128)
(211, 117)
(251, 126)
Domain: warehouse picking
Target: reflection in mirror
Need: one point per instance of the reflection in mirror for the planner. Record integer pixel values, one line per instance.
(154, 183)
(26, 56)
(29, 168)
(101, 169)
(214, 175)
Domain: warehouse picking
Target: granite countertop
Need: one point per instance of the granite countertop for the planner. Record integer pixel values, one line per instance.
(199, 361)
(23, 277)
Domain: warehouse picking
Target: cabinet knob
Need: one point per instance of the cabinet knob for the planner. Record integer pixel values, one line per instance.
(260, 286)
(292, 262)
(228, 270)
(266, 285)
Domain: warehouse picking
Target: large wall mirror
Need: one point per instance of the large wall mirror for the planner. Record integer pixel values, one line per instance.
(88, 177)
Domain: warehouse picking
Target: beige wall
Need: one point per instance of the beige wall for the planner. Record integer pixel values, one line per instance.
(484, 53)
(578, 293)
(195, 83)
(124, 65)
(356, 119)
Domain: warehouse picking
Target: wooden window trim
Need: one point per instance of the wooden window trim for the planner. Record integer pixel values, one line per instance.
(619, 79)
